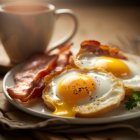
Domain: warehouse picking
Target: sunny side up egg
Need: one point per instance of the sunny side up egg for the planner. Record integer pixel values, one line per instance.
(82, 93)
(127, 70)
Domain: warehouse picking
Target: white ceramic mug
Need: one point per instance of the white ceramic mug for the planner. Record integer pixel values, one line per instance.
(27, 27)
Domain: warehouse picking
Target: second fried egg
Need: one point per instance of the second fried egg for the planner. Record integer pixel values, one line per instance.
(127, 70)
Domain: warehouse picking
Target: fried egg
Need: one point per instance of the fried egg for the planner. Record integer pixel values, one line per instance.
(74, 92)
(126, 70)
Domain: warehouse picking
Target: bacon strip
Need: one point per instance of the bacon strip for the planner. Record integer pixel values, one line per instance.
(64, 57)
(62, 61)
(30, 76)
(100, 50)
(29, 80)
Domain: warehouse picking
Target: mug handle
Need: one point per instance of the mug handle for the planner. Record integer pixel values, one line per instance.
(66, 39)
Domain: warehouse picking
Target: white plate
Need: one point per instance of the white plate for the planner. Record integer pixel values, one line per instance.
(40, 110)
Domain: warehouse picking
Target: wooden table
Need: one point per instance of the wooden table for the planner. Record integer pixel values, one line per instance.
(103, 23)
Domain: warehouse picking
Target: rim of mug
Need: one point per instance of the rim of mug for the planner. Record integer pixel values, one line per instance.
(50, 7)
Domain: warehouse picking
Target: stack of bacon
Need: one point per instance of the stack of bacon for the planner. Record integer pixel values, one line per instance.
(29, 79)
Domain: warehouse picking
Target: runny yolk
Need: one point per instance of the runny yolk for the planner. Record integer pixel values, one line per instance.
(72, 90)
(113, 65)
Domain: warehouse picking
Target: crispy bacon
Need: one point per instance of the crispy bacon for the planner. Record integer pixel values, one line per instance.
(29, 80)
(98, 49)
(30, 76)
(63, 60)
(64, 56)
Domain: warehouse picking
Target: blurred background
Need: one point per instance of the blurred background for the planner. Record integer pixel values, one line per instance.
(110, 21)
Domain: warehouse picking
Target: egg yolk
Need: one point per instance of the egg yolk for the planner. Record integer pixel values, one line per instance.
(72, 90)
(113, 65)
